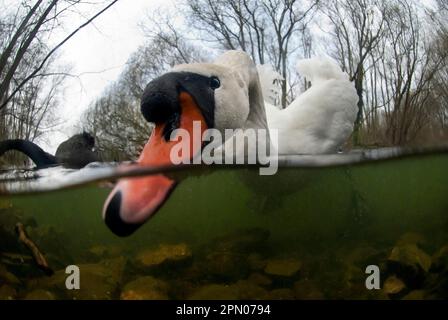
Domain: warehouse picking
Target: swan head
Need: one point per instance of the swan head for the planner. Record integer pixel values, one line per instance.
(222, 95)
(229, 103)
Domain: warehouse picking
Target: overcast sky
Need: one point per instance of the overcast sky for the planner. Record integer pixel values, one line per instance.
(97, 54)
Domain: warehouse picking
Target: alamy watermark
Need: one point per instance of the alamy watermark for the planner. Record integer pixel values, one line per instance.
(73, 280)
(237, 146)
(373, 280)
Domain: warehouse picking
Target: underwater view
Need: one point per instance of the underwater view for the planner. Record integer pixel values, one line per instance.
(176, 151)
(304, 233)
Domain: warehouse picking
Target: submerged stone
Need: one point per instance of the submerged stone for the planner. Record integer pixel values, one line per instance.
(7, 292)
(283, 267)
(365, 255)
(440, 260)
(282, 294)
(8, 277)
(99, 281)
(145, 288)
(226, 266)
(256, 262)
(307, 290)
(215, 292)
(165, 255)
(353, 275)
(410, 263)
(393, 285)
(40, 294)
(250, 291)
(242, 241)
(436, 283)
(242, 289)
(415, 295)
(260, 280)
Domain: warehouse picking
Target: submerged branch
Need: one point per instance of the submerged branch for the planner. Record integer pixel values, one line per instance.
(38, 256)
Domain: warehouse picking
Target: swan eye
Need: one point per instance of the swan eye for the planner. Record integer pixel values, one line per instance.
(215, 83)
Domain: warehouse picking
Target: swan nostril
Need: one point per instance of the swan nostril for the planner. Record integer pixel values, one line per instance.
(113, 219)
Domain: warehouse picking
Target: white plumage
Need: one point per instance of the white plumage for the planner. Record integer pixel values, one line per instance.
(318, 121)
(321, 119)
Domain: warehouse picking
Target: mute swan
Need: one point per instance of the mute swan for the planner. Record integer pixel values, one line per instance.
(222, 95)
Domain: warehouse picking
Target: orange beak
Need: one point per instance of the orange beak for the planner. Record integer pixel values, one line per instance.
(135, 200)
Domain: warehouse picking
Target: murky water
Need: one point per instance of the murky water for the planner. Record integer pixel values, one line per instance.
(232, 234)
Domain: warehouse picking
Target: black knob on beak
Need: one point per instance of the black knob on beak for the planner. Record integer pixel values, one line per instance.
(158, 106)
(160, 99)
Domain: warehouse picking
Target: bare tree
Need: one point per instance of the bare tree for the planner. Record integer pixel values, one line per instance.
(396, 59)
(26, 33)
(30, 79)
(357, 28)
(269, 30)
(115, 117)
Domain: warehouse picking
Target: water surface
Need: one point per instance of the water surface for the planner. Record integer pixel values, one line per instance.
(305, 232)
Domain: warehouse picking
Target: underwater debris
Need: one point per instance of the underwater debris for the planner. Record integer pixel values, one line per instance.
(38, 256)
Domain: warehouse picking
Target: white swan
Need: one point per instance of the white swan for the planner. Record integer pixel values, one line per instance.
(320, 119)
(224, 95)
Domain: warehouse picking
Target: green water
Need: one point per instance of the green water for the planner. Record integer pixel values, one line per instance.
(319, 217)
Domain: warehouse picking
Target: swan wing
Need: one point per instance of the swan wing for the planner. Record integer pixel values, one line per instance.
(321, 119)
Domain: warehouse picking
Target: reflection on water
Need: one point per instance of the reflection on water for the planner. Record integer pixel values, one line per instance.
(56, 178)
(303, 233)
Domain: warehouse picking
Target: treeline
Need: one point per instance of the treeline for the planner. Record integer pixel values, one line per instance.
(31, 78)
(115, 117)
(394, 51)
